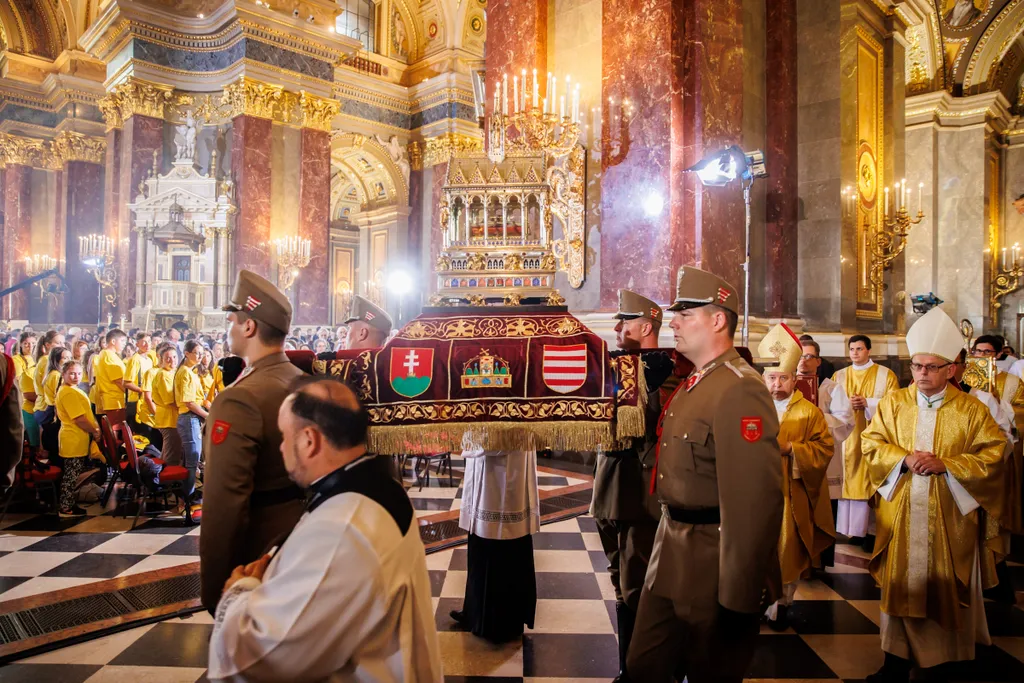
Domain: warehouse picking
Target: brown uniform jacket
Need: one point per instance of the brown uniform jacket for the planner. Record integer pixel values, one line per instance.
(719, 448)
(622, 479)
(243, 460)
(12, 428)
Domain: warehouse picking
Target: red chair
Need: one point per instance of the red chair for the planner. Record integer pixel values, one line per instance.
(111, 446)
(33, 475)
(171, 480)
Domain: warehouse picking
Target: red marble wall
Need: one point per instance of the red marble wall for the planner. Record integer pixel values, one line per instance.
(415, 239)
(313, 286)
(517, 39)
(112, 185)
(17, 237)
(660, 115)
(140, 137)
(250, 170)
(48, 311)
(781, 209)
(84, 215)
(436, 229)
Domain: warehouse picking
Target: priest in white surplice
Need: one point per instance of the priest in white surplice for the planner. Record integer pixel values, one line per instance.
(500, 510)
(346, 597)
(935, 458)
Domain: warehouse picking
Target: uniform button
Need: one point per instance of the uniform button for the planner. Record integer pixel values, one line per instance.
(661, 476)
(664, 444)
(686, 436)
(670, 414)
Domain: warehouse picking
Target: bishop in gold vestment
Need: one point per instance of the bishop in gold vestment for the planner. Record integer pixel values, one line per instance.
(934, 455)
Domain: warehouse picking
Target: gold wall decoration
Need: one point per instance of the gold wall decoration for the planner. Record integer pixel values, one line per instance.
(71, 146)
(252, 98)
(23, 151)
(134, 96)
(440, 149)
(870, 83)
(917, 76)
(567, 203)
(317, 112)
(111, 111)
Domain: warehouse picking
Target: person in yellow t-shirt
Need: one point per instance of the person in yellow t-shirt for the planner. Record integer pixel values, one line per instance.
(205, 372)
(146, 415)
(188, 394)
(43, 348)
(135, 367)
(25, 368)
(165, 414)
(110, 379)
(77, 426)
(47, 424)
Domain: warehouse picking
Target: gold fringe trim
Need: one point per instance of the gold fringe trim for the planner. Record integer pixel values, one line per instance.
(630, 421)
(497, 436)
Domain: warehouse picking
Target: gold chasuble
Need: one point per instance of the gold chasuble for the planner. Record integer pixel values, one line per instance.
(807, 525)
(1009, 390)
(926, 557)
(872, 382)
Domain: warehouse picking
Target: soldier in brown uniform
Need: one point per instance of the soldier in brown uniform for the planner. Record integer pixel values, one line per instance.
(248, 499)
(368, 325)
(12, 429)
(719, 478)
(626, 513)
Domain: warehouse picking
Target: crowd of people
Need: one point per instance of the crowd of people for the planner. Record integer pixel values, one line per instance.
(312, 563)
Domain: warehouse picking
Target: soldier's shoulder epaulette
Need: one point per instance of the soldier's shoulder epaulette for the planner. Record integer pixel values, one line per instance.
(742, 370)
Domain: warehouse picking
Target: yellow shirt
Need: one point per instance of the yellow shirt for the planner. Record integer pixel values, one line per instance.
(87, 376)
(22, 363)
(38, 379)
(187, 388)
(27, 382)
(151, 355)
(207, 382)
(216, 383)
(146, 384)
(50, 388)
(109, 368)
(133, 370)
(73, 440)
(163, 397)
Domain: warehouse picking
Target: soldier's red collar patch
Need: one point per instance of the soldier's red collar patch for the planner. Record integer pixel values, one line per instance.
(219, 432)
(751, 428)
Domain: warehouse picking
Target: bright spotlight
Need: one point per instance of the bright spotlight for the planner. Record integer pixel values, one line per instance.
(400, 283)
(653, 204)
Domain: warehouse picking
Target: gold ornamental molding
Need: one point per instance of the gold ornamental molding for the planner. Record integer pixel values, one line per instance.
(71, 146)
(440, 149)
(108, 106)
(135, 96)
(317, 112)
(252, 98)
(18, 150)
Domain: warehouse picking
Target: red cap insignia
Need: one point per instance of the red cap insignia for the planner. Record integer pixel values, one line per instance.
(723, 294)
(251, 303)
(369, 316)
(219, 432)
(751, 428)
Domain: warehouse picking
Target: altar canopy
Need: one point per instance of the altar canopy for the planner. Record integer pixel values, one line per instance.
(520, 378)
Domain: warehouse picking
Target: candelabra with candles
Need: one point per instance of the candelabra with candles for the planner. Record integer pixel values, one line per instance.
(1006, 275)
(38, 264)
(97, 253)
(292, 255)
(891, 238)
(532, 122)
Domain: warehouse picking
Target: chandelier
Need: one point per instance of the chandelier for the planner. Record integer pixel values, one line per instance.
(49, 268)
(533, 123)
(293, 254)
(97, 253)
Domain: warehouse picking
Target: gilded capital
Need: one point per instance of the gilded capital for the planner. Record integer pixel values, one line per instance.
(317, 112)
(111, 111)
(253, 98)
(71, 146)
(139, 97)
(440, 149)
(24, 151)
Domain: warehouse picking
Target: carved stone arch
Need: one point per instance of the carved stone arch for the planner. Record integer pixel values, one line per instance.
(924, 60)
(999, 37)
(16, 35)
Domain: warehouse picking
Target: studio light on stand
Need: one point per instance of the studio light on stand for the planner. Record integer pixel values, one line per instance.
(400, 284)
(718, 170)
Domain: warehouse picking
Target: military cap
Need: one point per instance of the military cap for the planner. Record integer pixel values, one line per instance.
(696, 288)
(373, 315)
(258, 298)
(632, 305)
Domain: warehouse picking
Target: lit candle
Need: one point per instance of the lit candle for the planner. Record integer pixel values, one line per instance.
(903, 185)
(544, 105)
(1004, 258)
(515, 93)
(523, 105)
(536, 90)
(504, 94)
(576, 103)
(920, 191)
(885, 211)
(561, 106)
(553, 97)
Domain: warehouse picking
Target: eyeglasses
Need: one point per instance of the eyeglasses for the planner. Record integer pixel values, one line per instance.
(808, 356)
(931, 369)
(985, 352)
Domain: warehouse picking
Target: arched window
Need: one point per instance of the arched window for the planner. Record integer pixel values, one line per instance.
(358, 20)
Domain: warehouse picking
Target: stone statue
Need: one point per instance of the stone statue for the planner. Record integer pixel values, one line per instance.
(400, 36)
(397, 153)
(185, 138)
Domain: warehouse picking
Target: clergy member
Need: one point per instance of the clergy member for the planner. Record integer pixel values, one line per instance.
(501, 511)
(864, 383)
(934, 455)
(807, 448)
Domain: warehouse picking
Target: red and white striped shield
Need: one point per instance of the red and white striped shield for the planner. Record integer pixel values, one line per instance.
(565, 367)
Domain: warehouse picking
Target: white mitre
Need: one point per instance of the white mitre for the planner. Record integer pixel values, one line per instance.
(935, 334)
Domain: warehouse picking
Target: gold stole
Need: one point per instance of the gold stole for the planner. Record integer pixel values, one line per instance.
(917, 565)
(856, 485)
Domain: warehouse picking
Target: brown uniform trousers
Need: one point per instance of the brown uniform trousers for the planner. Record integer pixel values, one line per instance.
(719, 467)
(12, 428)
(248, 499)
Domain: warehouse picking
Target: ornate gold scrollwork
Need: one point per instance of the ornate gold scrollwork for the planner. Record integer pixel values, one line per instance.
(252, 98)
(440, 149)
(15, 149)
(567, 187)
(71, 146)
(317, 112)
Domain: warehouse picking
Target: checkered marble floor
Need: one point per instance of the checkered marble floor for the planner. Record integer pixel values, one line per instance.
(834, 632)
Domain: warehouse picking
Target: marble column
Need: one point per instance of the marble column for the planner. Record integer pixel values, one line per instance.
(517, 32)
(250, 169)
(83, 216)
(440, 174)
(782, 201)
(660, 115)
(416, 224)
(312, 288)
(49, 310)
(17, 238)
(141, 136)
(112, 186)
